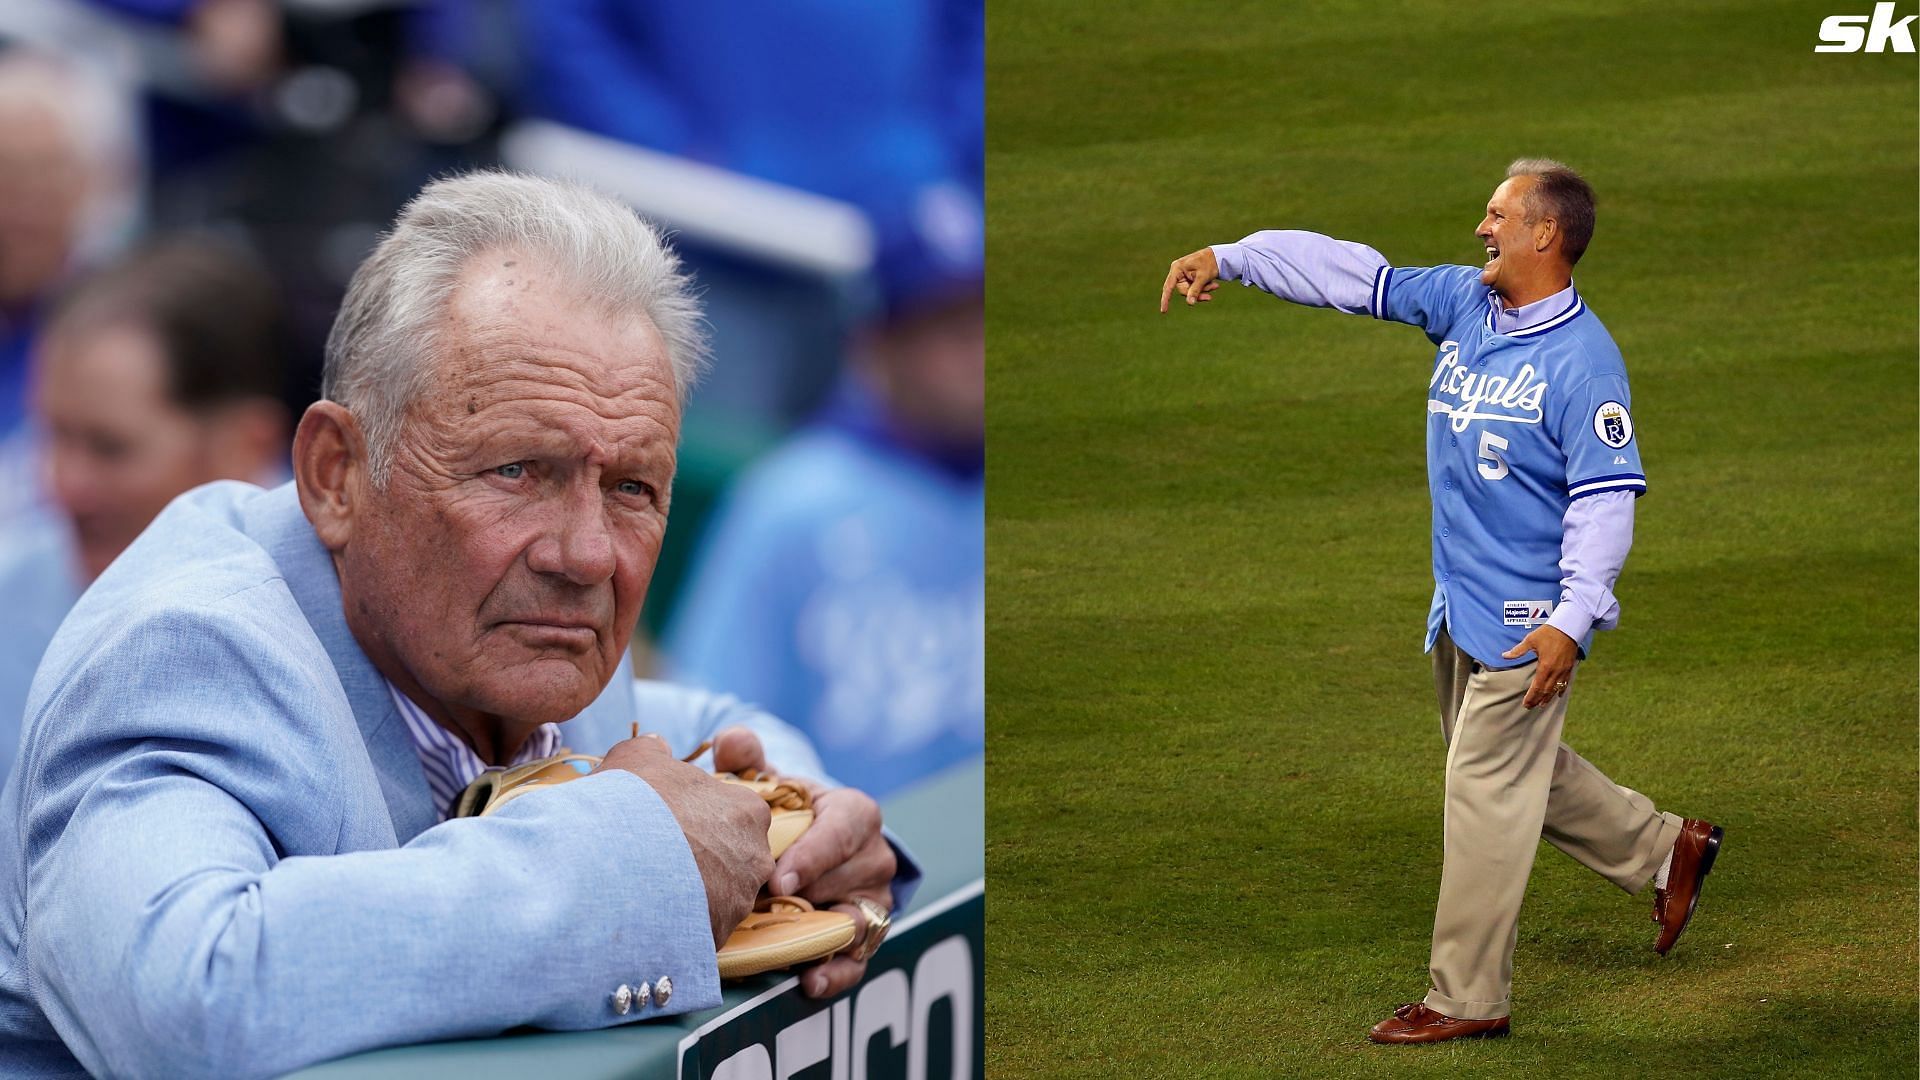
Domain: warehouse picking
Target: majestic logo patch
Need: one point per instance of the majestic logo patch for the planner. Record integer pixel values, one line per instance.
(1527, 612)
(1612, 424)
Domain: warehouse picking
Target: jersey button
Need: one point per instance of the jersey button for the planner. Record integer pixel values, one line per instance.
(1446, 532)
(1448, 484)
(1454, 439)
(1446, 577)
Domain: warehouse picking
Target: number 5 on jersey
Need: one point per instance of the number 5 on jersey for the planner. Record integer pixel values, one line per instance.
(1492, 465)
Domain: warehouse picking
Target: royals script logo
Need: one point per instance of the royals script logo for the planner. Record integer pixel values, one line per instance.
(1481, 396)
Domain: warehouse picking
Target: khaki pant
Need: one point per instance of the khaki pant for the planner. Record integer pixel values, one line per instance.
(1510, 781)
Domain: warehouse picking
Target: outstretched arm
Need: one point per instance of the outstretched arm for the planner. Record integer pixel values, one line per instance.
(1304, 267)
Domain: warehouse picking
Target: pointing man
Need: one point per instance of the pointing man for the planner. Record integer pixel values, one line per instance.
(1533, 469)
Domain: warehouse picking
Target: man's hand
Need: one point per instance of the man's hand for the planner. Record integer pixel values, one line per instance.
(1195, 276)
(841, 856)
(1557, 654)
(725, 825)
(737, 750)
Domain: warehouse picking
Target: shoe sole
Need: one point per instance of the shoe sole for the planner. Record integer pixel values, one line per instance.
(1497, 1033)
(1711, 853)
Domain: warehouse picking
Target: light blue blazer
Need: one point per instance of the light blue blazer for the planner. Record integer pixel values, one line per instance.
(219, 850)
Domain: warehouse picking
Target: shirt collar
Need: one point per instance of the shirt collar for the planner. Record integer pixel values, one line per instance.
(1535, 318)
(451, 764)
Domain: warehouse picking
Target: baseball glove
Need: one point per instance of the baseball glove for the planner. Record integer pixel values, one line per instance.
(791, 806)
(781, 931)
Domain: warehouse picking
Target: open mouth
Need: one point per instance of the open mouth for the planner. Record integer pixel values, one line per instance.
(1493, 254)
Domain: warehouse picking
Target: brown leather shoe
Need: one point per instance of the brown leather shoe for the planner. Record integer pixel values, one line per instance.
(1693, 856)
(1415, 1023)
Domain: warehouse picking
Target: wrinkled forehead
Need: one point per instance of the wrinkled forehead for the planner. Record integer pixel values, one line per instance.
(516, 323)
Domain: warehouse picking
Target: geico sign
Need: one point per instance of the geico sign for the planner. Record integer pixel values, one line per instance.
(1844, 34)
(889, 1005)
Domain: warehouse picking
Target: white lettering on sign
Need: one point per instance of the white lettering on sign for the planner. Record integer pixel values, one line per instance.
(944, 971)
(880, 1006)
(752, 1063)
(890, 1005)
(803, 1044)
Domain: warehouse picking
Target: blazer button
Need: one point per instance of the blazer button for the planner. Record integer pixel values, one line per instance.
(623, 999)
(642, 994)
(662, 990)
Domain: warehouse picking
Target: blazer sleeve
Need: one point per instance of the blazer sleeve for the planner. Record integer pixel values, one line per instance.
(194, 907)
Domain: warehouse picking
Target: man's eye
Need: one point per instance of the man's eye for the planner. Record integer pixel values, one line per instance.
(634, 487)
(512, 472)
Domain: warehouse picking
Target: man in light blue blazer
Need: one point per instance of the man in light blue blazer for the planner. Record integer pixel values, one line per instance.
(223, 845)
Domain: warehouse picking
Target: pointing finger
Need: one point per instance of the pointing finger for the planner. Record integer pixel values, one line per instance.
(1173, 281)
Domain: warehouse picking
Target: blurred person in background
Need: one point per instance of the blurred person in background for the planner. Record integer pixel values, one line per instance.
(844, 124)
(295, 128)
(68, 199)
(842, 583)
(156, 375)
(873, 105)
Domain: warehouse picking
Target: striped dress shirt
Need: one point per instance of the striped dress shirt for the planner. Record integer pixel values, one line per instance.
(451, 764)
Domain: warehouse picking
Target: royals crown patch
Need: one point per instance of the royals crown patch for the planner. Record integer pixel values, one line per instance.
(1612, 424)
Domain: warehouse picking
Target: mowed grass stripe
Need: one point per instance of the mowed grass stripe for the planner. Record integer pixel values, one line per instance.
(1214, 767)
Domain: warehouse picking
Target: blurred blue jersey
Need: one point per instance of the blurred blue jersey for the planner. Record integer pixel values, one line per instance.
(39, 584)
(858, 101)
(842, 587)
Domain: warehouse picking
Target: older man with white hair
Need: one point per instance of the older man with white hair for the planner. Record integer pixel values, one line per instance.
(230, 853)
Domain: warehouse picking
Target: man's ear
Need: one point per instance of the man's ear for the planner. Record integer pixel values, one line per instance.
(329, 470)
(1545, 233)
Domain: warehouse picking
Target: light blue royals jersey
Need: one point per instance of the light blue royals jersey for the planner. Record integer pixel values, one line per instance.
(1519, 424)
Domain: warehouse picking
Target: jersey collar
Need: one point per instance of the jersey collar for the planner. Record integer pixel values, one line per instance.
(1536, 318)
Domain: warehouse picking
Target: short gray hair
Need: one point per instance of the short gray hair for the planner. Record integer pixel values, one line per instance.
(1563, 195)
(380, 350)
(96, 112)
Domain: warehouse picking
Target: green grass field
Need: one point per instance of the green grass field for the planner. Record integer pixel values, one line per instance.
(1214, 764)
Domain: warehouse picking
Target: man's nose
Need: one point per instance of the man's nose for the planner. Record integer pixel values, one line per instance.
(579, 544)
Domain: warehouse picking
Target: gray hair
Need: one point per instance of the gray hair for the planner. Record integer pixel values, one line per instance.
(1563, 195)
(96, 112)
(390, 326)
